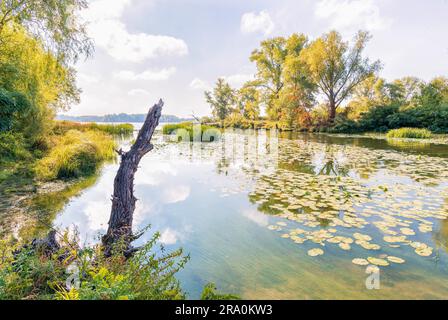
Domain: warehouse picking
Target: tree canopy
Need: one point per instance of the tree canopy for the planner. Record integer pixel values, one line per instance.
(53, 22)
(222, 99)
(336, 68)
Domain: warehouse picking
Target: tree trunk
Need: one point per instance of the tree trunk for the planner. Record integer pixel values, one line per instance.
(123, 200)
(331, 111)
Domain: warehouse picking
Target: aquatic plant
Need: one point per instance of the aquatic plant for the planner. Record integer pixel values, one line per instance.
(412, 133)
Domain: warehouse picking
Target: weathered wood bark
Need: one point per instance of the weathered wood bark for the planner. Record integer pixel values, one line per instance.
(123, 200)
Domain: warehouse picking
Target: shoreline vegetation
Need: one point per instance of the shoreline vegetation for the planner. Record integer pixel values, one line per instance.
(40, 42)
(326, 85)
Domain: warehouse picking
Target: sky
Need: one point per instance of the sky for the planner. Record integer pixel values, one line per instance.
(176, 49)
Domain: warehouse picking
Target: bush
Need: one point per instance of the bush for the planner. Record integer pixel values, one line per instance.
(412, 133)
(344, 125)
(76, 154)
(379, 119)
(384, 118)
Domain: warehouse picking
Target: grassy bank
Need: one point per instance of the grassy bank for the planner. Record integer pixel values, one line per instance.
(75, 154)
(66, 160)
(62, 127)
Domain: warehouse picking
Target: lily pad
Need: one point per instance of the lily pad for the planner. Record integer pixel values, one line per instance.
(315, 252)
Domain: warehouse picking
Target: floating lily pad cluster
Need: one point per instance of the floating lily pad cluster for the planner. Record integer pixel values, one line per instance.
(330, 206)
(344, 195)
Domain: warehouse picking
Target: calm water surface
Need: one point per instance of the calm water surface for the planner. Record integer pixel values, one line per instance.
(249, 207)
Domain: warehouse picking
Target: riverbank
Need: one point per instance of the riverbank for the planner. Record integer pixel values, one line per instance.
(34, 179)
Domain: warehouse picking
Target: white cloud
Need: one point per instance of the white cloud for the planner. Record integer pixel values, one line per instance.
(252, 22)
(97, 213)
(138, 92)
(351, 14)
(199, 84)
(149, 75)
(111, 34)
(257, 217)
(175, 194)
(169, 236)
(238, 80)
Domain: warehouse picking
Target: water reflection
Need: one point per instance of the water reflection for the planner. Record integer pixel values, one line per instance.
(249, 207)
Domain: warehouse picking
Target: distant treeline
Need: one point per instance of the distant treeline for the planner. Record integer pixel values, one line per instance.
(122, 117)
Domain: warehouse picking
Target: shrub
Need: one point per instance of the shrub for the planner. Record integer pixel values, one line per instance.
(413, 133)
(76, 154)
(379, 119)
(344, 125)
(384, 118)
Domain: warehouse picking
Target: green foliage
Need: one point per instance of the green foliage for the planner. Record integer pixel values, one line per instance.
(55, 23)
(248, 101)
(210, 293)
(75, 154)
(11, 105)
(237, 120)
(412, 133)
(221, 100)
(40, 78)
(147, 275)
(13, 147)
(344, 125)
(336, 68)
(379, 118)
(187, 131)
(384, 118)
(61, 127)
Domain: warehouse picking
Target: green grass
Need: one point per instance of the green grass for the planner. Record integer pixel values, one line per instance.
(61, 127)
(411, 133)
(76, 154)
(186, 129)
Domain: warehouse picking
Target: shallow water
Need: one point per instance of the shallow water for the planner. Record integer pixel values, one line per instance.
(248, 209)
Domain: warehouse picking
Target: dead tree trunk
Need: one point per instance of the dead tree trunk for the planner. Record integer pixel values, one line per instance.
(123, 200)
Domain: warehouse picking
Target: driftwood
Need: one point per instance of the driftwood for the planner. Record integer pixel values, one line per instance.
(123, 200)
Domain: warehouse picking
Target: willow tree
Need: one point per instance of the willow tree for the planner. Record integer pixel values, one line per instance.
(338, 68)
(53, 22)
(27, 69)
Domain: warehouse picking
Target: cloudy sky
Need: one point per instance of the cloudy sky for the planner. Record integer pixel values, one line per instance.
(175, 49)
